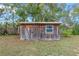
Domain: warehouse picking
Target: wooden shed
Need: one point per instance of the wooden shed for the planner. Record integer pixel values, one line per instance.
(39, 31)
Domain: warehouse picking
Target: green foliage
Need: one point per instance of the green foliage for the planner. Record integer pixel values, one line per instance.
(39, 12)
(21, 12)
(76, 30)
(66, 32)
(1, 10)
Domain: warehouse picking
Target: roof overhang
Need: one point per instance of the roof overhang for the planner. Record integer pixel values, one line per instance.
(28, 23)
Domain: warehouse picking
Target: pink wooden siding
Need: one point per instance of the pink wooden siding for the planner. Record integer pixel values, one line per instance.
(37, 32)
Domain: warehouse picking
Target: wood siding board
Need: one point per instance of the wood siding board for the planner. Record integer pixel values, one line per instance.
(22, 33)
(21, 38)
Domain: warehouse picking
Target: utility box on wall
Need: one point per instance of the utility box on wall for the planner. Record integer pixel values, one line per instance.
(39, 31)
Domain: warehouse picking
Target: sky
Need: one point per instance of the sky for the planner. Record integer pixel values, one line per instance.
(69, 6)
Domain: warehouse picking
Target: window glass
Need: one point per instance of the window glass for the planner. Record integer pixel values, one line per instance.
(49, 29)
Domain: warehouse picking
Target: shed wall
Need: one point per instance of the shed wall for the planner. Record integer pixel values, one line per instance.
(37, 32)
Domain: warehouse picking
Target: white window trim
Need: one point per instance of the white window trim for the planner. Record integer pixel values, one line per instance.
(46, 27)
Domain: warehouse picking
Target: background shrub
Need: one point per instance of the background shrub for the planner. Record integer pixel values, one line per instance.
(76, 30)
(66, 32)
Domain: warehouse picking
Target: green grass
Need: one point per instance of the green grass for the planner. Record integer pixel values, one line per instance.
(12, 46)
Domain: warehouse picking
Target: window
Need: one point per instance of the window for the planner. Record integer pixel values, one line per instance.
(49, 29)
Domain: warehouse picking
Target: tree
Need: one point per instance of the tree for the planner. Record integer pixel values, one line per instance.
(39, 12)
(21, 11)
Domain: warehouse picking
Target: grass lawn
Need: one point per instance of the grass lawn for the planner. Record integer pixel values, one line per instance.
(12, 46)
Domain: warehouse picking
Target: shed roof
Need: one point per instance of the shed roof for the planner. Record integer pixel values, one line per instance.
(23, 23)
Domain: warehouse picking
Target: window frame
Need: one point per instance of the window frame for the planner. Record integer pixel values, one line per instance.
(47, 27)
